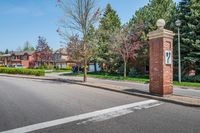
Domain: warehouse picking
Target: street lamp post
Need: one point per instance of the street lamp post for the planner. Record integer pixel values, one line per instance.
(178, 24)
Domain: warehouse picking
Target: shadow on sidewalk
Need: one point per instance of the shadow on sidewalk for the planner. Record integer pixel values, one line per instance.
(137, 91)
(140, 92)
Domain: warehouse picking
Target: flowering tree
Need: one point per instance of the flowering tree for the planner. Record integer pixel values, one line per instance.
(43, 51)
(126, 42)
(75, 48)
(80, 16)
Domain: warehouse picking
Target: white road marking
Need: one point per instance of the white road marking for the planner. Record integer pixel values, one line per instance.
(30, 128)
(119, 113)
(106, 116)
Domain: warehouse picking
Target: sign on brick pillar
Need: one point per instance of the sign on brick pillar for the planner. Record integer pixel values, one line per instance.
(161, 60)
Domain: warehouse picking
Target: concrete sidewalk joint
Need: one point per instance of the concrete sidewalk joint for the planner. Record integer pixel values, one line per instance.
(176, 99)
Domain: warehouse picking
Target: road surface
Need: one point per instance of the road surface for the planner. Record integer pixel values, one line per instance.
(53, 107)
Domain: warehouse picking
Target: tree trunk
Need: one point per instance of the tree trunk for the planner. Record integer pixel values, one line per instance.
(125, 68)
(85, 71)
(78, 68)
(95, 67)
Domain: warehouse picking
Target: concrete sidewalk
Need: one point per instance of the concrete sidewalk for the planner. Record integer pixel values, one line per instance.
(130, 88)
(184, 94)
(127, 85)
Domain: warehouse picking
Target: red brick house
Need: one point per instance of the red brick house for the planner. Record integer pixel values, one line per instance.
(31, 59)
(18, 58)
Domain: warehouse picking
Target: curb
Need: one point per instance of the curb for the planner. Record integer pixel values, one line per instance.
(164, 99)
(144, 96)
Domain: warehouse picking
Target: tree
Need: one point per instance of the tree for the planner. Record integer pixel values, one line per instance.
(6, 51)
(156, 9)
(92, 46)
(147, 16)
(80, 15)
(189, 14)
(108, 24)
(74, 49)
(44, 53)
(126, 44)
(110, 20)
(28, 47)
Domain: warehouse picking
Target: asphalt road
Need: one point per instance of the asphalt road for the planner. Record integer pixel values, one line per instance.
(25, 102)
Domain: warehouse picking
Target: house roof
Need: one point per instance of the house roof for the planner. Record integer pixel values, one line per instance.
(24, 52)
(18, 53)
(5, 55)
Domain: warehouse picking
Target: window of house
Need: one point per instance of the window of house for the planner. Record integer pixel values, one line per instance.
(25, 57)
(13, 57)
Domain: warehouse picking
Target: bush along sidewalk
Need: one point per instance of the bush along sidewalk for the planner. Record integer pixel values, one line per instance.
(22, 71)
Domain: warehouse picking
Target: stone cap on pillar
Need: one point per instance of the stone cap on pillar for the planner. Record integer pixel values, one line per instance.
(161, 32)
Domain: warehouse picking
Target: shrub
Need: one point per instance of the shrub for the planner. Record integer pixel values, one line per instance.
(69, 67)
(41, 67)
(66, 68)
(50, 67)
(185, 78)
(133, 72)
(195, 78)
(23, 71)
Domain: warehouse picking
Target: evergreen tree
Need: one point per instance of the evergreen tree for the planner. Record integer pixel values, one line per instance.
(7, 51)
(108, 24)
(146, 17)
(189, 14)
(110, 20)
(156, 9)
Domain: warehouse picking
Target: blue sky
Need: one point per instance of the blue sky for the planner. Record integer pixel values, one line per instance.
(25, 20)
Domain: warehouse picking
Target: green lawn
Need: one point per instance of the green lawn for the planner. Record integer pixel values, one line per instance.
(116, 77)
(190, 84)
(141, 79)
(59, 71)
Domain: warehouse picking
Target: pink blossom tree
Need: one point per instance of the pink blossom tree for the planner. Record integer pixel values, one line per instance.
(126, 42)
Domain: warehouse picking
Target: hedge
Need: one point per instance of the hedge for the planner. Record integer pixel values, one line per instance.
(195, 78)
(23, 71)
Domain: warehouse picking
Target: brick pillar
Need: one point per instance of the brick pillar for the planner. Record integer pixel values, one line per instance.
(161, 61)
